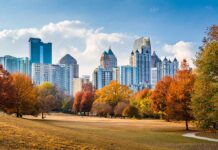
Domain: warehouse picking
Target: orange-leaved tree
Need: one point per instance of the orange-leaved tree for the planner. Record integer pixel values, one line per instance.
(77, 101)
(179, 95)
(159, 96)
(25, 95)
(7, 91)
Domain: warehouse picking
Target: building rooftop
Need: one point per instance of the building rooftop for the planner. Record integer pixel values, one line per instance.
(67, 59)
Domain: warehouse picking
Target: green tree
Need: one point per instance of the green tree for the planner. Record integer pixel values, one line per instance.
(205, 96)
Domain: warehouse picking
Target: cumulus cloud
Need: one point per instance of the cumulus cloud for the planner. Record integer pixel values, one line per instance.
(181, 50)
(70, 36)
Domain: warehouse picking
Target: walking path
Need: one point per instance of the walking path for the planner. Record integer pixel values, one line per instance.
(193, 135)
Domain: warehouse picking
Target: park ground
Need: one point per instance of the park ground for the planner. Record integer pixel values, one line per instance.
(63, 131)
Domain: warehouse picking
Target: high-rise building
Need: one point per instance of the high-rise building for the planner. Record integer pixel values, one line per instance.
(104, 73)
(77, 85)
(156, 73)
(40, 52)
(141, 59)
(14, 64)
(61, 75)
(108, 60)
(128, 75)
(86, 79)
(70, 61)
(102, 77)
(169, 68)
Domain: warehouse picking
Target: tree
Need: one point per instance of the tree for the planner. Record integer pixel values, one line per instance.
(7, 91)
(66, 104)
(118, 110)
(131, 111)
(86, 101)
(113, 94)
(179, 95)
(77, 101)
(159, 96)
(25, 95)
(46, 97)
(205, 95)
(102, 109)
(142, 101)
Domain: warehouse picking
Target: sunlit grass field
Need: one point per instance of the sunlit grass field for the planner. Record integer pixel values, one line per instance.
(61, 131)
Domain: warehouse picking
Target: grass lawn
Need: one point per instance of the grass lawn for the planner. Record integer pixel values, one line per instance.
(61, 131)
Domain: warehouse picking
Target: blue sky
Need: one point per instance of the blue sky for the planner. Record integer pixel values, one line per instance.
(166, 22)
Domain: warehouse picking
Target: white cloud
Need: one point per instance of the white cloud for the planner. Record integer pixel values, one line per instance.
(181, 50)
(74, 37)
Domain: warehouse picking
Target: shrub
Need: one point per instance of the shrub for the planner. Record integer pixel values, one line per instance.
(131, 111)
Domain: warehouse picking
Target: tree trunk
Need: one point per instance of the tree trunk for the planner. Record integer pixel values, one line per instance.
(18, 113)
(42, 115)
(186, 124)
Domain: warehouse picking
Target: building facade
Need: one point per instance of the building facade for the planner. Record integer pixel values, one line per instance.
(61, 75)
(107, 70)
(141, 59)
(40, 52)
(14, 64)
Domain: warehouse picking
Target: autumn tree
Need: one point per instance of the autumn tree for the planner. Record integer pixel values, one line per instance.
(113, 93)
(159, 96)
(83, 100)
(86, 101)
(131, 112)
(46, 97)
(143, 102)
(179, 95)
(205, 95)
(66, 103)
(76, 102)
(25, 95)
(102, 109)
(118, 110)
(7, 91)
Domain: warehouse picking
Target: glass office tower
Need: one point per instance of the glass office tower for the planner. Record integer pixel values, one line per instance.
(40, 52)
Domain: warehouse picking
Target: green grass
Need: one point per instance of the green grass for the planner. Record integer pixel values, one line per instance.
(72, 132)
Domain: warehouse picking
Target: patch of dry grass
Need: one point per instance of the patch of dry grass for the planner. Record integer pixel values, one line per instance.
(61, 131)
(23, 134)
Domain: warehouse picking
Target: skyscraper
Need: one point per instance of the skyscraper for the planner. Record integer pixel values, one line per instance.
(61, 75)
(70, 61)
(141, 59)
(14, 64)
(40, 52)
(103, 74)
(128, 75)
(169, 68)
(156, 72)
(108, 60)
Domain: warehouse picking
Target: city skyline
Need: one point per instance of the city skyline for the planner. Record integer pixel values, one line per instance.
(85, 29)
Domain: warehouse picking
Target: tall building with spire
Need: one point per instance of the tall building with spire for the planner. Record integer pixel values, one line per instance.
(141, 59)
(108, 59)
(107, 70)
